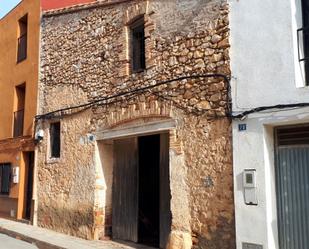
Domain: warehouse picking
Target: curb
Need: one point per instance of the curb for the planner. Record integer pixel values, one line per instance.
(40, 244)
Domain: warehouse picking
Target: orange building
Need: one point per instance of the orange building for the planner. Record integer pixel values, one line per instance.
(19, 72)
(19, 65)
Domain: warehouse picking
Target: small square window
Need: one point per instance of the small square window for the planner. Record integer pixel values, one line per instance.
(55, 140)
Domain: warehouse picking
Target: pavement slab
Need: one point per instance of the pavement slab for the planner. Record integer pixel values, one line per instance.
(48, 239)
(7, 242)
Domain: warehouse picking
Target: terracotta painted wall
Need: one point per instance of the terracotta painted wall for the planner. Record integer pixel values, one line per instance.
(16, 195)
(57, 4)
(13, 73)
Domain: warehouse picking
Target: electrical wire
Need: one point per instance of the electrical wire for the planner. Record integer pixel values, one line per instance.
(264, 108)
(108, 99)
(126, 94)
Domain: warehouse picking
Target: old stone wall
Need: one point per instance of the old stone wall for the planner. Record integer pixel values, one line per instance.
(85, 57)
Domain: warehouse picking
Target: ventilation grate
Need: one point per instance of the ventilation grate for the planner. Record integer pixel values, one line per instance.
(251, 246)
(298, 135)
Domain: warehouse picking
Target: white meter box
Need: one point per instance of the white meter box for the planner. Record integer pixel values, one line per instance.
(250, 187)
(15, 174)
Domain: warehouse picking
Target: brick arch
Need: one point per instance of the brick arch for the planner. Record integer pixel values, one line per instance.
(132, 20)
(139, 112)
(135, 11)
(138, 120)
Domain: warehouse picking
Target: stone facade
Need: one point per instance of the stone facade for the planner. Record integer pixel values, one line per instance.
(84, 58)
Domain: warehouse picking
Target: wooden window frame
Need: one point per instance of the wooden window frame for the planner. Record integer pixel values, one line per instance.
(137, 45)
(18, 115)
(22, 40)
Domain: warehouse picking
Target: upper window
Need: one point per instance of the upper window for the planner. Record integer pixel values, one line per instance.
(22, 39)
(5, 178)
(138, 45)
(20, 94)
(303, 39)
(55, 140)
(305, 8)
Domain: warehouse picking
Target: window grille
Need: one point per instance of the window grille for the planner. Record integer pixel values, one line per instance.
(22, 48)
(22, 39)
(303, 40)
(18, 123)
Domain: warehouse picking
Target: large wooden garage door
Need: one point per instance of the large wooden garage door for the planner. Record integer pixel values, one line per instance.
(125, 190)
(125, 223)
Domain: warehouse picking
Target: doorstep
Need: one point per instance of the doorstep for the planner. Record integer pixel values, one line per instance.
(8, 217)
(47, 239)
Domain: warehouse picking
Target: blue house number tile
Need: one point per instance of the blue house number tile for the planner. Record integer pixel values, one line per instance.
(242, 127)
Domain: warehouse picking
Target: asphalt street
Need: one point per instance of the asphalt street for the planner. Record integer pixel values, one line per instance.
(7, 242)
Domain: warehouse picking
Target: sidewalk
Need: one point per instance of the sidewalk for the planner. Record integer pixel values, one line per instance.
(47, 239)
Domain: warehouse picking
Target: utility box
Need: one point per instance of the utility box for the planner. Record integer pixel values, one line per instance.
(249, 186)
(15, 174)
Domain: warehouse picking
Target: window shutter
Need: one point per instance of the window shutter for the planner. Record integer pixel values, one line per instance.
(136, 51)
(55, 139)
(1, 179)
(138, 45)
(5, 178)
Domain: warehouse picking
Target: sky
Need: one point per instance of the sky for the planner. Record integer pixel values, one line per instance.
(6, 6)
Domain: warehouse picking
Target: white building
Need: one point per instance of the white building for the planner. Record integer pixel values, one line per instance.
(267, 70)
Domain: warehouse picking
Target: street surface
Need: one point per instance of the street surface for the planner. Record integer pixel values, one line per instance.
(7, 242)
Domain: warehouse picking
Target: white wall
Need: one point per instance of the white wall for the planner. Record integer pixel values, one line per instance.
(254, 148)
(265, 71)
(264, 59)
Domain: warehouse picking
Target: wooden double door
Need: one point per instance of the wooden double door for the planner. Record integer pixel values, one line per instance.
(141, 190)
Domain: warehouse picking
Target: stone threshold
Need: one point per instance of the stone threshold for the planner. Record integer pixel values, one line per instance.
(48, 239)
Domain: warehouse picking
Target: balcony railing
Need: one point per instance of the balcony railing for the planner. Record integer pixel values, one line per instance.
(18, 123)
(22, 48)
(303, 50)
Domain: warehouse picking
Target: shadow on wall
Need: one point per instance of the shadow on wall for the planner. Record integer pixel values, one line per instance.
(239, 182)
(77, 222)
(105, 173)
(218, 238)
